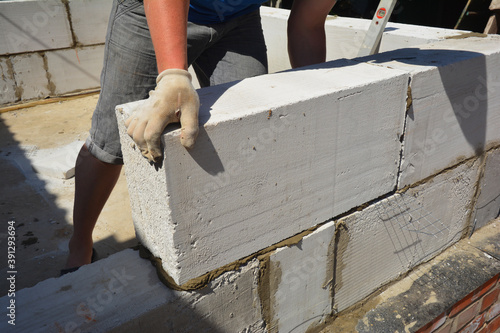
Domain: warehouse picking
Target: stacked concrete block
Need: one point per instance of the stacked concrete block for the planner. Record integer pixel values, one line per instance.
(29, 26)
(89, 20)
(47, 44)
(31, 76)
(122, 294)
(488, 203)
(75, 69)
(389, 238)
(299, 282)
(7, 82)
(455, 104)
(268, 163)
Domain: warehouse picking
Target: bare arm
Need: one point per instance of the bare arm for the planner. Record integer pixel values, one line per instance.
(174, 98)
(167, 21)
(306, 32)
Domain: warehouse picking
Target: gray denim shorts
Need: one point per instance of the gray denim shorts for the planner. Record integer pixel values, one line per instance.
(219, 53)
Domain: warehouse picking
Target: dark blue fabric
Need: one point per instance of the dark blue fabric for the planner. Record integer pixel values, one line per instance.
(217, 11)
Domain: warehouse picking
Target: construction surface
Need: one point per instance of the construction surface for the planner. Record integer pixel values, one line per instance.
(357, 170)
(41, 205)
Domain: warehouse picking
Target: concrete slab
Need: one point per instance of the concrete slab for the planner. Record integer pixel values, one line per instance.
(267, 164)
(390, 237)
(32, 25)
(89, 20)
(75, 69)
(7, 82)
(31, 76)
(299, 280)
(57, 162)
(488, 202)
(98, 298)
(455, 108)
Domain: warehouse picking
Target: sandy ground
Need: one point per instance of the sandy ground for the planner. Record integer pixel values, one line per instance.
(41, 206)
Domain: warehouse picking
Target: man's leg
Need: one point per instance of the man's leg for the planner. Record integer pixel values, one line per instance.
(129, 73)
(94, 181)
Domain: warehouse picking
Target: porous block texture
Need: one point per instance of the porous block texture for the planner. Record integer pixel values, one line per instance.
(90, 20)
(122, 294)
(299, 280)
(389, 238)
(33, 25)
(276, 155)
(75, 69)
(488, 203)
(455, 103)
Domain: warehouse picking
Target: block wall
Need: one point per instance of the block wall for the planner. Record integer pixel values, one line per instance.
(399, 152)
(56, 47)
(443, 189)
(50, 47)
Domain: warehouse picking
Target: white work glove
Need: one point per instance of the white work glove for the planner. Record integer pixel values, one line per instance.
(174, 99)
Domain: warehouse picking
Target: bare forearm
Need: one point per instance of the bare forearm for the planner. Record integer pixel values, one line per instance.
(306, 33)
(167, 21)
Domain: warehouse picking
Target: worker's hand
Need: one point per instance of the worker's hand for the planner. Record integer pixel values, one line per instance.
(174, 99)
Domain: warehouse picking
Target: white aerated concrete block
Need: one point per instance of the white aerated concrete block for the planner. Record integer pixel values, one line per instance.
(300, 282)
(455, 111)
(90, 20)
(123, 294)
(276, 154)
(56, 162)
(75, 69)
(31, 76)
(7, 83)
(488, 203)
(33, 25)
(344, 36)
(389, 238)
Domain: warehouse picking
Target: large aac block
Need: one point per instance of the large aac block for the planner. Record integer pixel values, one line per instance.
(344, 36)
(300, 279)
(455, 111)
(33, 25)
(90, 20)
(396, 234)
(75, 69)
(276, 154)
(488, 202)
(122, 294)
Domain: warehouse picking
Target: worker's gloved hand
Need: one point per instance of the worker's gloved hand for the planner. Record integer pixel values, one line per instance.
(174, 99)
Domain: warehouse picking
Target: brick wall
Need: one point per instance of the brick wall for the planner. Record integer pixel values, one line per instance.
(477, 312)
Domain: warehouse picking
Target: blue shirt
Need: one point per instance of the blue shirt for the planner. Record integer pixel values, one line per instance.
(217, 11)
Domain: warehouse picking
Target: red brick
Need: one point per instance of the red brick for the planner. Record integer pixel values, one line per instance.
(494, 326)
(445, 329)
(490, 298)
(474, 325)
(464, 317)
(484, 329)
(493, 312)
(473, 296)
